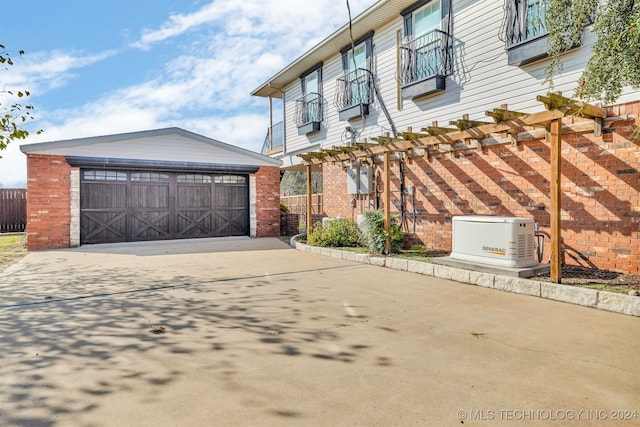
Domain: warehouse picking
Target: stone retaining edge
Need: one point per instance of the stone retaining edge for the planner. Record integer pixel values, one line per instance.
(601, 300)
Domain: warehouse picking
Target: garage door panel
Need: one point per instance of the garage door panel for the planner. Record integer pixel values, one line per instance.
(150, 225)
(100, 195)
(196, 196)
(230, 196)
(121, 206)
(99, 226)
(230, 222)
(194, 223)
(150, 196)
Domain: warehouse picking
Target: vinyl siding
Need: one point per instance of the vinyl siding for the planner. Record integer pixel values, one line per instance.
(481, 80)
(160, 148)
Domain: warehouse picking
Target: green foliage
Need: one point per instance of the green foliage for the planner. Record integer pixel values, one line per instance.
(14, 116)
(339, 233)
(565, 22)
(615, 62)
(376, 236)
(284, 208)
(294, 183)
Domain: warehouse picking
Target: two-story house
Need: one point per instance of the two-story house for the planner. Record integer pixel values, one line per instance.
(432, 66)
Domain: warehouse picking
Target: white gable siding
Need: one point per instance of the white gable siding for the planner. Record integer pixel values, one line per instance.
(171, 147)
(481, 80)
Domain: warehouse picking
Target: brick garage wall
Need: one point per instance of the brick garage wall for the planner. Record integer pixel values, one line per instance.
(268, 202)
(48, 202)
(600, 193)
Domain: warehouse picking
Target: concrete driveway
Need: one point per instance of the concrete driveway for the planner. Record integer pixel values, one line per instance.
(257, 333)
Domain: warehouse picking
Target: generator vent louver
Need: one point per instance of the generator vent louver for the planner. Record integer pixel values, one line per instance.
(525, 246)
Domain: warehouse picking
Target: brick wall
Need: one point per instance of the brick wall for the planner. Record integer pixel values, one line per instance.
(600, 193)
(48, 202)
(268, 202)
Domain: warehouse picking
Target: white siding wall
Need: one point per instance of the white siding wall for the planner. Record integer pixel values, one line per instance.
(481, 80)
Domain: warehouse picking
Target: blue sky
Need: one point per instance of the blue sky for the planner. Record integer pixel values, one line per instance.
(99, 67)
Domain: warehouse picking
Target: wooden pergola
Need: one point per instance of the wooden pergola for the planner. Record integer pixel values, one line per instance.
(508, 127)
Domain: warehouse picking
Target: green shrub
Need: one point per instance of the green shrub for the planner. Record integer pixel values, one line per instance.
(376, 236)
(339, 233)
(284, 208)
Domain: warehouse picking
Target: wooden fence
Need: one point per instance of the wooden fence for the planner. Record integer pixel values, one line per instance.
(13, 209)
(298, 205)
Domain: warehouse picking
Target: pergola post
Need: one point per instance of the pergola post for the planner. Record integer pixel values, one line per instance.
(387, 200)
(309, 200)
(555, 141)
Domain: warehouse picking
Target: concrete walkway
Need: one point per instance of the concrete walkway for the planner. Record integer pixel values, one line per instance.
(254, 332)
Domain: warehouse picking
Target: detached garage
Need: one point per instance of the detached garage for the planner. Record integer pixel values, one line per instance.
(152, 185)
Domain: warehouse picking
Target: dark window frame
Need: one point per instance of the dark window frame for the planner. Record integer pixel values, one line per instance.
(347, 109)
(416, 84)
(309, 108)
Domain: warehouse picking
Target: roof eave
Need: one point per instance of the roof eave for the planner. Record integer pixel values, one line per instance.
(374, 17)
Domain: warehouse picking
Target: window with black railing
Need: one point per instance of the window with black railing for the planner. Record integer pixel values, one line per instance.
(426, 52)
(525, 31)
(525, 20)
(308, 109)
(424, 57)
(354, 89)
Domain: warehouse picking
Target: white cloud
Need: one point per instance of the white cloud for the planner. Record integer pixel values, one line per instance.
(232, 47)
(43, 71)
(295, 23)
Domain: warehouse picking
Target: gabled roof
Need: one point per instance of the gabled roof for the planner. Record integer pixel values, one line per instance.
(373, 18)
(168, 144)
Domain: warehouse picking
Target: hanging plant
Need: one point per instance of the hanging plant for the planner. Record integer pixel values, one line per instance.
(615, 62)
(565, 21)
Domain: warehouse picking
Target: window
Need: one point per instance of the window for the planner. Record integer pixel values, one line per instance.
(149, 177)
(354, 91)
(426, 23)
(425, 52)
(103, 175)
(535, 19)
(230, 179)
(525, 31)
(309, 107)
(194, 179)
(525, 20)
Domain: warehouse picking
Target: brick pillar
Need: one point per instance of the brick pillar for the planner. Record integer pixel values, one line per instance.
(48, 202)
(267, 193)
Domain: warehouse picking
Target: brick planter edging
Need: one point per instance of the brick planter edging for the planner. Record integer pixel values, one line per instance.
(601, 300)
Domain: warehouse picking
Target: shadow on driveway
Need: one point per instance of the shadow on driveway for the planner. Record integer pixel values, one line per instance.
(261, 334)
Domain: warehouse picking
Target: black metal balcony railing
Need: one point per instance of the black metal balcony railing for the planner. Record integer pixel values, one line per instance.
(309, 109)
(424, 57)
(525, 20)
(355, 88)
(275, 139)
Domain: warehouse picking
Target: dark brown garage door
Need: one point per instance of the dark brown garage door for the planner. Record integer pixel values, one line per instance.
(127, 206)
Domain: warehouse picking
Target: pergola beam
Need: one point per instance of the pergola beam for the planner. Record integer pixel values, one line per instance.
(364, 149)
(571, 106)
